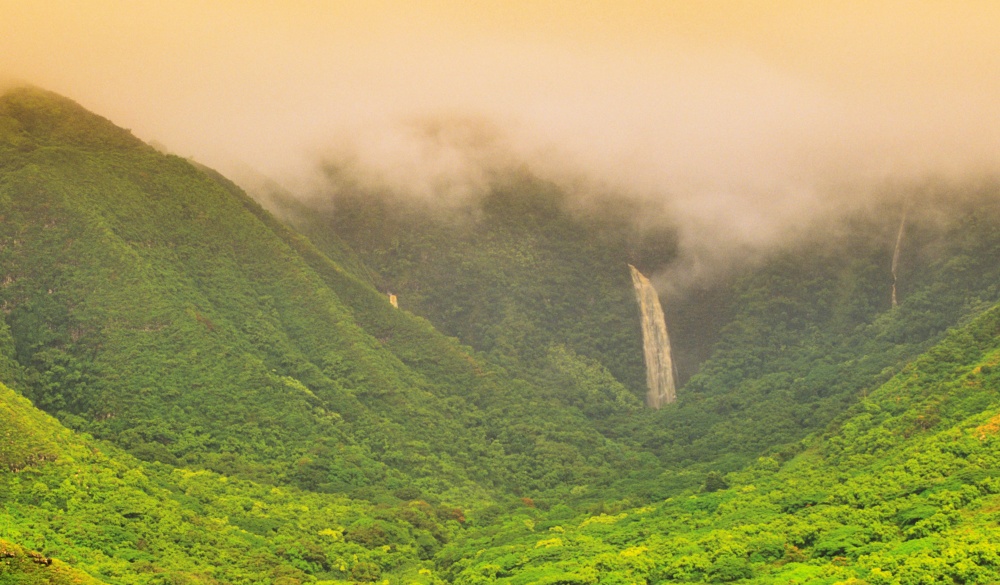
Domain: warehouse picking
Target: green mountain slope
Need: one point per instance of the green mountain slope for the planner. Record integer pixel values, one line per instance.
(72, 499)
(813, 329)
(511, 273)
(21, 567)
(153, 304)
(767, 352)
(904, 489)
(262, 414)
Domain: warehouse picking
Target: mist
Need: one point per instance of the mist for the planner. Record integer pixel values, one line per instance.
(744, 122)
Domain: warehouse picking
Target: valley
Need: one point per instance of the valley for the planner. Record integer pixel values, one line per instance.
(207, 385)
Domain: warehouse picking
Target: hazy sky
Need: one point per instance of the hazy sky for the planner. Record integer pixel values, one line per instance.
(755, 106)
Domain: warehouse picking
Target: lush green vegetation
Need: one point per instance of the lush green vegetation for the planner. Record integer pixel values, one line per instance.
(768, 353)
(812, 329)
(511, 273)
(25, 567)
(153, 305)
(126, 522)
(192, 392)
(903, 490)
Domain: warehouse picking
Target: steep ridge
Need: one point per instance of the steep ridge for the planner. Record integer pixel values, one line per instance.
(152, 304)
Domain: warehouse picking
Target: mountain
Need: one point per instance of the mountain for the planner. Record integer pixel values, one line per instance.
(149, 303)
(153, 304)
(85, 503)
(192, 391)
(767, 352)
(902, 489)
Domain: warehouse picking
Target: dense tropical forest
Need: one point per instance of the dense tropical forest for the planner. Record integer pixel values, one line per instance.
(198, 385)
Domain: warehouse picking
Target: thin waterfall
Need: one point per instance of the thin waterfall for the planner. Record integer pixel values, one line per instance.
(895, 256)
(655, 342)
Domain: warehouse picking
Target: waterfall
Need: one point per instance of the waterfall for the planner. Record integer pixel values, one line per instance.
(655, 343)
(895, 255)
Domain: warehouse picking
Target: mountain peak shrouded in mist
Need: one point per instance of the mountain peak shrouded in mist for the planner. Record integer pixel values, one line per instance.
(42, 117)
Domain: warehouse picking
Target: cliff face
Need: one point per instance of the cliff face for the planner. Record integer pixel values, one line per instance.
(655, 343)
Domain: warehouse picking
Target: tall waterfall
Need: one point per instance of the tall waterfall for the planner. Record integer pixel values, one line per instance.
(895, 255)
(655, 343)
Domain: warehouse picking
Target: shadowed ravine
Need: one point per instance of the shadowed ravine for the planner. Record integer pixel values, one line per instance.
(655, 343)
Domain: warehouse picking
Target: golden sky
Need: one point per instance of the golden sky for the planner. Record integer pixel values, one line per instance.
(651, 95)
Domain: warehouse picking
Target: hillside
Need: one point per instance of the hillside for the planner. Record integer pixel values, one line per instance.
(193, 392)
(511, 273)
(67, 499)
(903, 489)
(151, 303)
(767, 352)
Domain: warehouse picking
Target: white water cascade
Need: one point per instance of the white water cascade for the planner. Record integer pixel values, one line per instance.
(655, 342)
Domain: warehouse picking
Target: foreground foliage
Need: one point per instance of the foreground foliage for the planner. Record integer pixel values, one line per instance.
(104, 512)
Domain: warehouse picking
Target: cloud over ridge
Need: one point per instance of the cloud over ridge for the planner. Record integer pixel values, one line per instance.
(744, 118)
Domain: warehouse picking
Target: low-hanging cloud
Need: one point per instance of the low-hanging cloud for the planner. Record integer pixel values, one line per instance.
(741, 157)
(743, 121)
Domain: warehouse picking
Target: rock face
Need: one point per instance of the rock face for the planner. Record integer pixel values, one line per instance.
(655, 343)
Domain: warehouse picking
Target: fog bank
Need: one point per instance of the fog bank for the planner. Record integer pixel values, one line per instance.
(745, 118)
